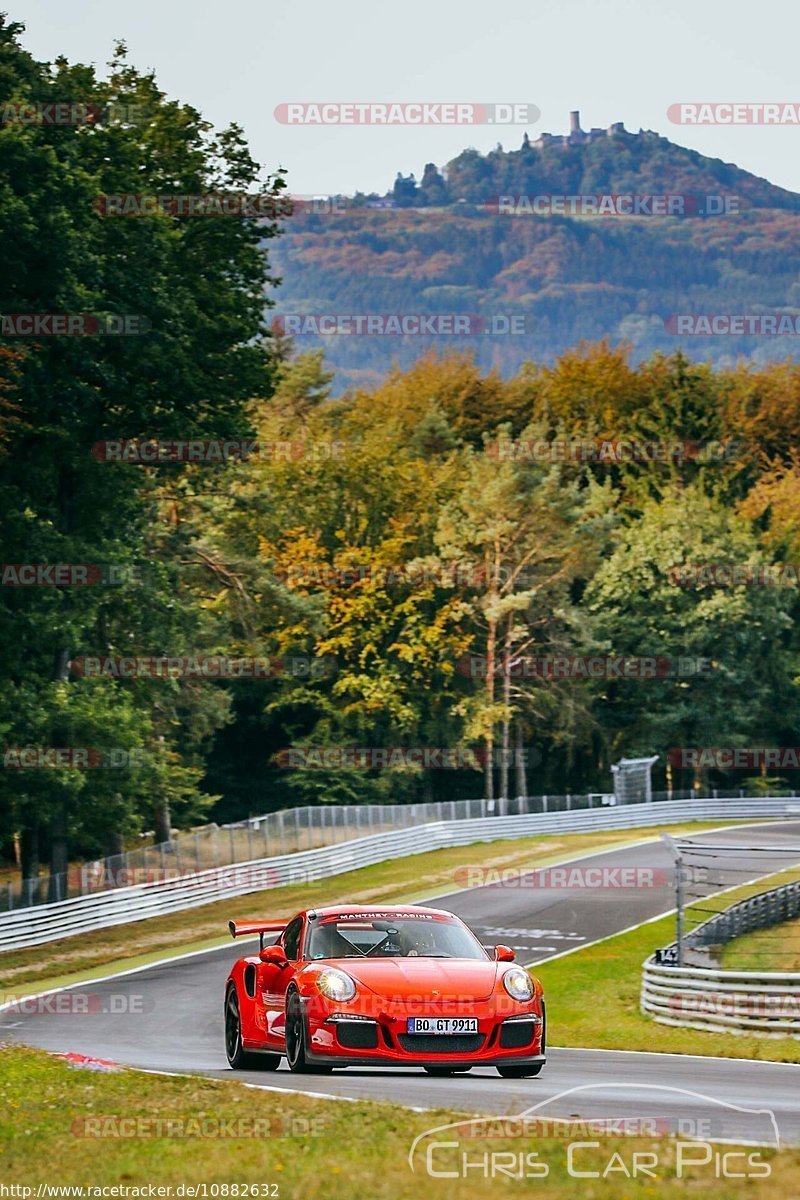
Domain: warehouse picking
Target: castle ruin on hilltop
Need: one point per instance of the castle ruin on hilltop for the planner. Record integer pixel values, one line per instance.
(576, 135)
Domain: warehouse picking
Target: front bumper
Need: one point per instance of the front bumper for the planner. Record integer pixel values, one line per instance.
(346, 1037)
(386, 1060)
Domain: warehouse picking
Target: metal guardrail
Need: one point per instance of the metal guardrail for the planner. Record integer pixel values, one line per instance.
(702, 997)
(284, 832)
(764, 1004)
(51, 922)
(757, 912)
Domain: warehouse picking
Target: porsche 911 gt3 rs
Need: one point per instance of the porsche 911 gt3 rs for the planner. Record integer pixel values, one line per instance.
(398, 986)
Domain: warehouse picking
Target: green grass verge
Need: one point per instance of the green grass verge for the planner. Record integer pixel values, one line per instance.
(774, 949)
(593, 996)
(419, 876)
(62, 1127)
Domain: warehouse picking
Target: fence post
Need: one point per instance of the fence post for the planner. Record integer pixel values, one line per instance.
(679, 908)
(544, 803)
(569, 801)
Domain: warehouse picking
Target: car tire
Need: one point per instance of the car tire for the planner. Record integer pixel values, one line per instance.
(529, 1072)
(534, 1069)
(296, 1039)
(446, 1070)
(239, 1058)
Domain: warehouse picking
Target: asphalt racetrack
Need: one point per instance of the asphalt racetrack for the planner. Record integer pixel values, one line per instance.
(169, 1017)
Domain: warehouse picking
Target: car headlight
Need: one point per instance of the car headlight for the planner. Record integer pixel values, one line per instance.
(518, 984)
(335, 984)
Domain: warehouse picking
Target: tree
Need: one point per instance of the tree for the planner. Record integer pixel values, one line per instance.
(525, 525)
(744, 633)
(199, 284)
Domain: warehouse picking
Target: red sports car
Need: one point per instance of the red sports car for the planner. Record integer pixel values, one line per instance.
(396, 986)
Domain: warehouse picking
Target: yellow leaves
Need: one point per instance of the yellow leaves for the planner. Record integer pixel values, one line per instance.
(777, 493)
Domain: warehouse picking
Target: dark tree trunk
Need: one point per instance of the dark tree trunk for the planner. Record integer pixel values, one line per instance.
(521, 772)
(29, 863)
(115, 843)
(59, 822)
(506, 724)
(59, 854)
(161, 821)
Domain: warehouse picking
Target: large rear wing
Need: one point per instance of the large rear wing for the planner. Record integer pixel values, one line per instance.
(251, 928)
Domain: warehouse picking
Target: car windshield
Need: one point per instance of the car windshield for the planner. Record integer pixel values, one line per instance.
(353, 936)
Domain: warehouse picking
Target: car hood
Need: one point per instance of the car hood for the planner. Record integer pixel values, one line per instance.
(419, 978)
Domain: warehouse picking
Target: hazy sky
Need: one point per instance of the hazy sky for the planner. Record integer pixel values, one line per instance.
(615, 60)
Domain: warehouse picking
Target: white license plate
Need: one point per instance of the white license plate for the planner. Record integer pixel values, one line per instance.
(452, 1025)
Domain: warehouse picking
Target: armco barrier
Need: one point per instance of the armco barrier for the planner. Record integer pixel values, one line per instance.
(287, 831)
(764, 1004)
(706, 997)
(756, 912)
(66, 918)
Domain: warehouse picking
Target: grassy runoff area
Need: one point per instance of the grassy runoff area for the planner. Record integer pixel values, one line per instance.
(593, 995)
(64, 1127)
(773, 949)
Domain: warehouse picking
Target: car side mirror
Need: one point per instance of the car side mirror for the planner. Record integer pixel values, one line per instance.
(274, 955)
(504, 954)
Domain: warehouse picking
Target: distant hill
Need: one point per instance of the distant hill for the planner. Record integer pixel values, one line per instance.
(440, 245)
